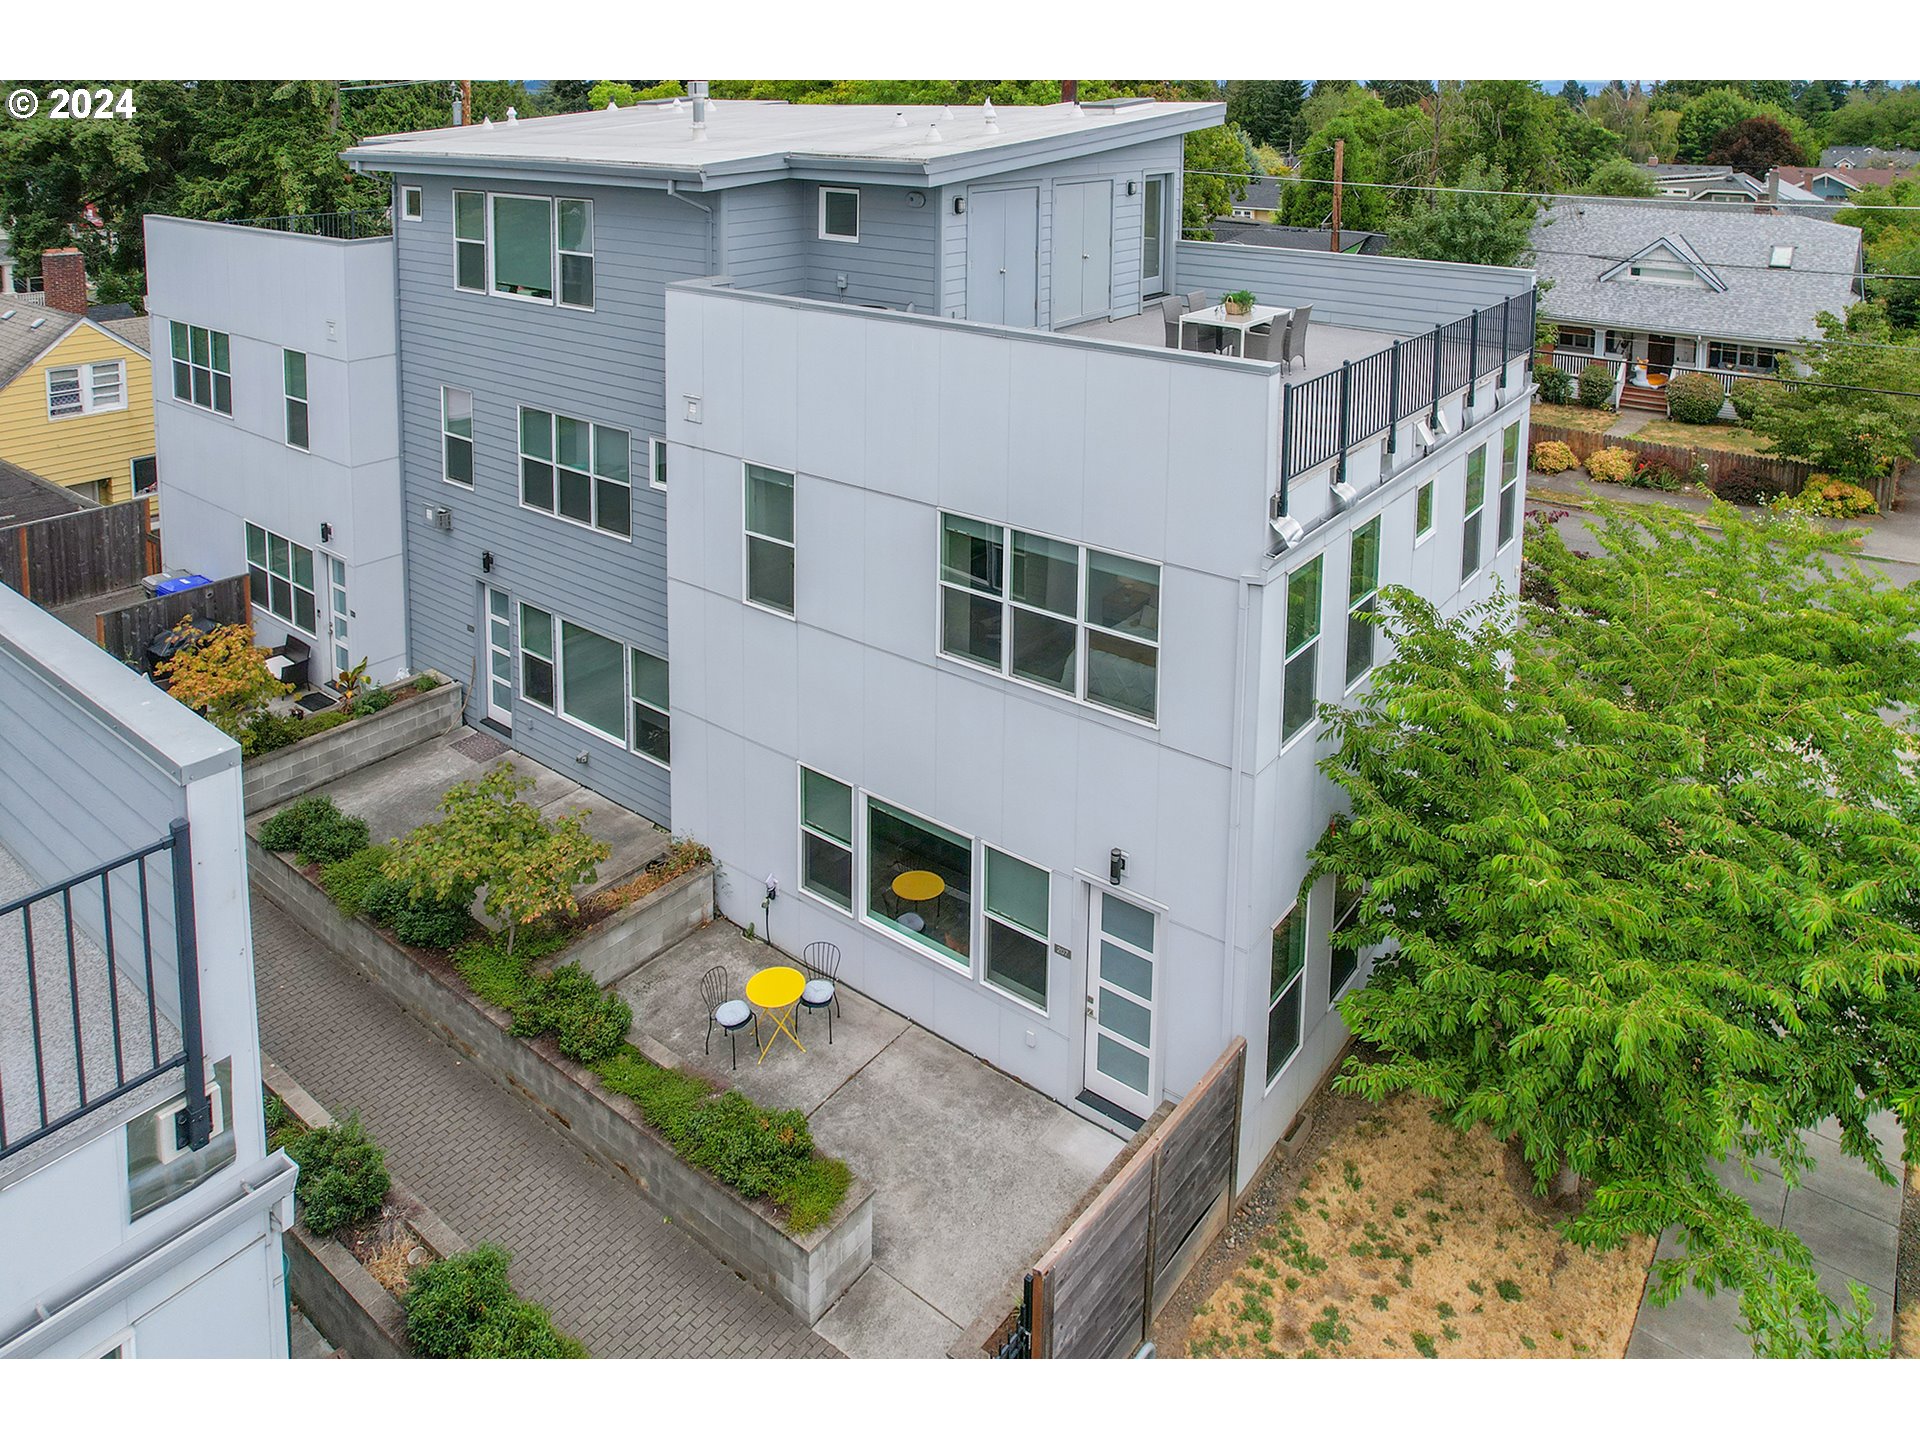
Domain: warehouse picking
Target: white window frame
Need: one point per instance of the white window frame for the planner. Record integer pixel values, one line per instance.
(1296, 987)
(665, 712)
(1426, 493)
(656, 461)
(552, 462)
(1356, 603)
(213, 371)
(491, 250)
(121, 1340)
(87, 376)
(851, 845)
(1592, 334)
(975, 882)
(485, 242)
(521, 695)
(748, 534)
(289, 399)
(560, 622)
(471, 483)
(853, 190)
(1473, 520)
(413, 205)
(1081, 624)
(1509, 488)
(1287, 656)
(264, 603)
(560, 252)
(494, 291)
(983, 920)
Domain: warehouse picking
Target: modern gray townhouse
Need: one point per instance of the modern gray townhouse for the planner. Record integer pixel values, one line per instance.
(841, 486)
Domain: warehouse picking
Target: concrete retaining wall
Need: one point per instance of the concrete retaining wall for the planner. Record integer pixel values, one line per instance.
(351, 1308)
(277, 777)
(804, 1273)
(622, 943)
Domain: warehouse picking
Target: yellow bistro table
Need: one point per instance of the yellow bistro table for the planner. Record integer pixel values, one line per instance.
(918, 885)
(777, 990)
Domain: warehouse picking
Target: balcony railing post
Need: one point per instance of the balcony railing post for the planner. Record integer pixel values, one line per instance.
(1393, 400)
(1473, 359)
(199, 1113)
(1506, 341)
(1286, 442)
(1346, 401)
(1433, 416)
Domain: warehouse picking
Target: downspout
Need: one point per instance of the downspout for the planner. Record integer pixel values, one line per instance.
(715, 267)
(1241, 776)
(400, 458)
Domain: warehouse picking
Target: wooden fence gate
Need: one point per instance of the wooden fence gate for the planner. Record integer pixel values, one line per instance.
(1096, 1292)
(66, 558)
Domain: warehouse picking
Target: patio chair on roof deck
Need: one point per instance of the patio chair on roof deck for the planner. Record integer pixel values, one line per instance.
(1205, 339)
(822, 962)
(1267, 342)
(726, 1010)
(1172, 307)
(1295, 346)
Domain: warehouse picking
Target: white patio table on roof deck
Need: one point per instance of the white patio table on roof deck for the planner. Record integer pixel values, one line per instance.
(1217, 317)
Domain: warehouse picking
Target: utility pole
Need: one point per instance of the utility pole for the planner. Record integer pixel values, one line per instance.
(1339, 173)
(1069, 92)
(466, 102)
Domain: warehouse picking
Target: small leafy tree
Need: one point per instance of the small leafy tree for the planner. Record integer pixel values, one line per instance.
(1853, 420)
(1755, 145)
(1620, 177)
(1645, 870)
(223, 675)
(1466, 225)
(494, 841)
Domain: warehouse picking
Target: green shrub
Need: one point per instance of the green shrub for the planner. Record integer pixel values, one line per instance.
(317, 830)
(1742, 487)
(463, 1307)
(1695, 399)
(588, 1024)
(1824, 495)
(1654, 475)
(343, 1175)
(285, 830)
(350, 881)
(371, 701)
(1614, 464)
(422, 921)
(268, 732)
(1746, 396)
(426, 681)
(1556, 385)
(1596, 386)
(1552, 457)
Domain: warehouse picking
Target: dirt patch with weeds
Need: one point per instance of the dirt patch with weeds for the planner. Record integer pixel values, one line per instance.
(1396, 1235)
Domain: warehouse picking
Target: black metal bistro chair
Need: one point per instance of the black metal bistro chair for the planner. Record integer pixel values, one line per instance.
(726, 1010)
(822, 962)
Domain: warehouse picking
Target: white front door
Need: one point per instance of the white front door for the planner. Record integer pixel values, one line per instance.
(1153, 236)
(1122, 1001)
(499, 656)
(339, 616)
(1082, 251)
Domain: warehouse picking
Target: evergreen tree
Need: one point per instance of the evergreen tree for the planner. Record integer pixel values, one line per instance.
(1266, 109)
(1574, 93)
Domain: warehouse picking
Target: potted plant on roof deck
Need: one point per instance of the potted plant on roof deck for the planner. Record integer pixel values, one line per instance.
(1238, 302)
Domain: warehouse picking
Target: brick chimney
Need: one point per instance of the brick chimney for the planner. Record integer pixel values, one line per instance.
(64, 273)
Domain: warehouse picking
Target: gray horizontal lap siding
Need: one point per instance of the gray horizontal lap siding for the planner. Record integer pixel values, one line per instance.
(765, 245)
(895, 261)
(606, 366)
(1366, 291)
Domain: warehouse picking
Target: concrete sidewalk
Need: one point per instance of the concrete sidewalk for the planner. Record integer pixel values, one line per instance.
(1848, 1219)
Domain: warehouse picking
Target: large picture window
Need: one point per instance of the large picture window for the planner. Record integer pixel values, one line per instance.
(202, 368)
(1475, 506)
(523, 247)
(1284, 987)
(1016, 909)
(576, 470)
(593, 688)
(526, 247)
(1077, 620)
(536, 657)
(652, 716)
(920, 882)
(826, 838)
(1509, 484)
(1363, 589)
(281, 576)
(770, 547)
(1301, 684)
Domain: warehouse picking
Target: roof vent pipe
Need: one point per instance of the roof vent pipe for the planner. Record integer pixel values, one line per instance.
(988, 112)
(612, 105)
(697, 89)
(899, 119)
(513, 116)
(933, 134)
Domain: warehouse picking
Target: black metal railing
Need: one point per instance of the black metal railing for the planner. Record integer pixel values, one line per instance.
(1325, 417)
(92, 1005)
(1019, 1342)
(334, 225)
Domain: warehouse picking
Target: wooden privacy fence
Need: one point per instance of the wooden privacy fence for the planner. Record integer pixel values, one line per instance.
(128, 631)
(90, 552)
(1790, 475)
(1096, 1292)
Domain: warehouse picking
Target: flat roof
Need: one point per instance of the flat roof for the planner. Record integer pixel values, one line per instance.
(754, 140)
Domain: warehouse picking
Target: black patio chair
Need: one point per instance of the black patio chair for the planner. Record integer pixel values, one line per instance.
(727, 1011)
(822, 962)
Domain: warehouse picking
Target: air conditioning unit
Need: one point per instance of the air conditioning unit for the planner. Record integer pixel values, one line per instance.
(440, 517)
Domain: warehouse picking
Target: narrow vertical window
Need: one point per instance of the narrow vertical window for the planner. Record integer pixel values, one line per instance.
(410, 205)
(652, 717)
(1475, 506)
(826, 838)
(972, 582)
(1363, 587)
(770, 546)
(1123, 634)
(1015, 925)
(657, 462)
(470, 240)
(293, 370)
(1423, 512)
(536, 657)
(575, 243)
(106, 386)
(456, 435)
(63, 392)
(1509, 484)
(1301, 683)
(1345, 955)
(1284, 986)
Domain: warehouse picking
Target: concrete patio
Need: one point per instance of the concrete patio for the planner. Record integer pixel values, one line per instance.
(1848, 1219)
(399, 793)
(972, 1171)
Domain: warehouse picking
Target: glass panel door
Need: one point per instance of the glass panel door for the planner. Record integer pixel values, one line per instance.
(1122, 1002)
(499, 657)
(1153, 224)
(339, 617)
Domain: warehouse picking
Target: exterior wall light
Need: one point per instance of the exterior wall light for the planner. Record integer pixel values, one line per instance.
(959, 204)
(486, 561)
(1116, 865)
(326, 533)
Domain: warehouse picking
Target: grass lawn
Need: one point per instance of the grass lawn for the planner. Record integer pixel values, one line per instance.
(1405, 1237)
(1573, 417)
(1705, 437)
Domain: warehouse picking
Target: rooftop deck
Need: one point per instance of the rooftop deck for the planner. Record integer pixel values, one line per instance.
(1328, 346)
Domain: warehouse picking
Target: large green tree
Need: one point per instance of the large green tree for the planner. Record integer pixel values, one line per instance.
(1644, 861)
(1618, 177)
(1268, 110)
(1468, 224)
(1858, 415)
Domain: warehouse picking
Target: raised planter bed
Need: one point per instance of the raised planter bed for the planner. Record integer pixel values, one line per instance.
(350, 1307)
(280, 775)
(804, 1273)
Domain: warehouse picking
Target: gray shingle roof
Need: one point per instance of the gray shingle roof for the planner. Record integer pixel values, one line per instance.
(20, 343)
(1584, 241)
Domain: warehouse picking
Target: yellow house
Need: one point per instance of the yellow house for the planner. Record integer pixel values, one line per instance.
(76, 398)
